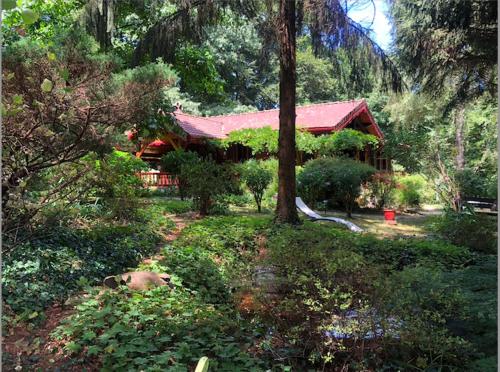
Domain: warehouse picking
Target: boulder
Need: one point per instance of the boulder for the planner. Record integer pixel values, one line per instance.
(138, 280)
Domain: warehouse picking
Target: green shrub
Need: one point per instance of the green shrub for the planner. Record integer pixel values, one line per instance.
(410, 191)
(476, 231)
(339, 180)
(479, 284)
(206, 180)
(239, 200)
(229, 240)
(381, 186)
(257, 179)
(471, 183)
(272, 166)
(118, 184)
(172, 163)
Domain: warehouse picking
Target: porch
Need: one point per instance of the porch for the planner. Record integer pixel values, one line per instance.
(158, 179)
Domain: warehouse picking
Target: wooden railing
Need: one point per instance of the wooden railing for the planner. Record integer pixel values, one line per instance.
(158, 179)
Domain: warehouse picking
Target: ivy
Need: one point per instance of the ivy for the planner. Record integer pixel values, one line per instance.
(265, 141)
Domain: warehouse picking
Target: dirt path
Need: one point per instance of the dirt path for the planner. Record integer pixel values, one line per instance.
(25, 349)
(180, 221)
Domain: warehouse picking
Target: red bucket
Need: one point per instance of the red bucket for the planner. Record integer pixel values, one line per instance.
(389, 214)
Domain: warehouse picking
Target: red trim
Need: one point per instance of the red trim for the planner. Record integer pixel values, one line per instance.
(361, 109)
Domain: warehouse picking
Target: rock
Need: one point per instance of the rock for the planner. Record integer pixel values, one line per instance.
(138, 280)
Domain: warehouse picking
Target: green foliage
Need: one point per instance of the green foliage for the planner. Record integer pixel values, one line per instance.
(117, 175)
(316, 81)
(175, 206)
(257, 179)
(410, 191)
(194, 318)
(476, 231)
(40, 19)
(397, 286)
(344, 140)
(381, 186)
(440, 42)
(48, 269)
(261, 140)
(172, 163)
(229, 241)
(157, 329)
(339, 180)
(481, 151)
(236, 46)
(198, 73)
(479, 285)
(118, 184)
(471, 184)
(265, 141)
(269, 196)
(205, 180)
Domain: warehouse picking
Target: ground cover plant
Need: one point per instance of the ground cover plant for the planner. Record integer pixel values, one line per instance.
(59, 261)
(417, 295)
(196, 317)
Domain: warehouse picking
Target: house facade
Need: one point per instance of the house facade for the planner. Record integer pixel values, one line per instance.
(318, 119)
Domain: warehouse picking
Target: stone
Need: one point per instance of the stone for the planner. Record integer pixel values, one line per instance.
(138, 280)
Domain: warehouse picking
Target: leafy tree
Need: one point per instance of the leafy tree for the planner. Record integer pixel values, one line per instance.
(335, 179)
(236, 47)
(60, 103)
(205, 180)
(446, 47)
(257, 179)
(442, 43)
(173, 161)
(199, 76)
(39, 19)
(316, 80)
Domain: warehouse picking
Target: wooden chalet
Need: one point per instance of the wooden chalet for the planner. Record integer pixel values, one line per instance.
(319, 119)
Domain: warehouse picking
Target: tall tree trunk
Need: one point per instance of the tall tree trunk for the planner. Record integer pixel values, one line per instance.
(286, 211)
(459, 136)
(460, 145)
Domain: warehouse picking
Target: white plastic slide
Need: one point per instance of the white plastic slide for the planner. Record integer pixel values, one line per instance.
(316, 217)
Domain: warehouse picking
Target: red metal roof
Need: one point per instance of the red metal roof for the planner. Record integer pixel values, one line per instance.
(321, 117)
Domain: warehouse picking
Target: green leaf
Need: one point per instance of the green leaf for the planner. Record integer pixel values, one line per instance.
(51, 56)
(33, 315)
(64, 74)
(29, 16)
(73, 347)
(8, 4)
(93, 350)
(17, 99)
(89, 335)
(109, 349)
(47, 85)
